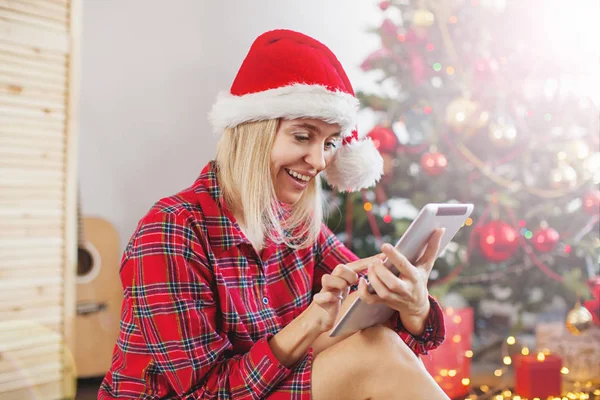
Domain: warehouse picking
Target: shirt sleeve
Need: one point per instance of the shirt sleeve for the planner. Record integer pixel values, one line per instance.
(330, 252)
(433, 335)
(177, 315)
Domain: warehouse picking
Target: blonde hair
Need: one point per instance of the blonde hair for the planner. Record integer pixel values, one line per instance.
(244, 173)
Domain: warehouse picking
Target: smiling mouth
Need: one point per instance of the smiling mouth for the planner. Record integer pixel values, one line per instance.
(299, 177)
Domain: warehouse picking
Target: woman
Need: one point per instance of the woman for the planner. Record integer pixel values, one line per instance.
(232, 285)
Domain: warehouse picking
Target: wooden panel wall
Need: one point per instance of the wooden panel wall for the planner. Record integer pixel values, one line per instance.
(38, 98)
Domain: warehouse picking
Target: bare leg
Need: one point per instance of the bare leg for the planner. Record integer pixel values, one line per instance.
(372, 364)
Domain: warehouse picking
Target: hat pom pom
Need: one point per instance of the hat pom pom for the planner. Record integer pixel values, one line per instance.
(357, 165)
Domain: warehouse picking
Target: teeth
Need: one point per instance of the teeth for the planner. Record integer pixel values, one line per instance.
(297, 175)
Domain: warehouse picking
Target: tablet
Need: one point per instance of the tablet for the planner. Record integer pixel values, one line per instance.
(361, 315)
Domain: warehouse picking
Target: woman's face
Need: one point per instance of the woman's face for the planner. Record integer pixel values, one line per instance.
(302, 149)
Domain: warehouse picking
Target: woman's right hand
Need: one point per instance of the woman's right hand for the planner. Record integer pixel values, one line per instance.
(335, 288)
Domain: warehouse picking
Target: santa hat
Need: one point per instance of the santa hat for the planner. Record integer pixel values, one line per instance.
(289, 75)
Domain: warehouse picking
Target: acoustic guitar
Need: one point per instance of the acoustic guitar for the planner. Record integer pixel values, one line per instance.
(99, 296)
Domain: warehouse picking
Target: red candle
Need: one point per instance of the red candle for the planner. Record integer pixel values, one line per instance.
(538, 375)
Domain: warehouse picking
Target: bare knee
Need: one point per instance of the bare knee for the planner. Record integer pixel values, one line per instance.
(385, 343)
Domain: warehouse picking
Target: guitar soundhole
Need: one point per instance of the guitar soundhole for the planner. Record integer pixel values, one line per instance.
(85, 262)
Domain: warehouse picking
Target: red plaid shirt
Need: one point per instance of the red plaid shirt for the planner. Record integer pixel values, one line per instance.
(200, 305)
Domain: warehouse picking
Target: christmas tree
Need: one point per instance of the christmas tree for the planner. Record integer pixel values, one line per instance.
(490, 103)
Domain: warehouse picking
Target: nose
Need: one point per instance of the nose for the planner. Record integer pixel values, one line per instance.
(316, 157)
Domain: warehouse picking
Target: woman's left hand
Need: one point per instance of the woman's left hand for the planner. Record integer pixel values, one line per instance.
(406, 293)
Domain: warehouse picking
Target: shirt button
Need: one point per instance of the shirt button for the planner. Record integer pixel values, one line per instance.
(265, 301)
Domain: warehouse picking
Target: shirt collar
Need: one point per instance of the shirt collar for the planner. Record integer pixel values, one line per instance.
(222, 229)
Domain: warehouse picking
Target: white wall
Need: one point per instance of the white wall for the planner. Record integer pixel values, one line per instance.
(151, 70)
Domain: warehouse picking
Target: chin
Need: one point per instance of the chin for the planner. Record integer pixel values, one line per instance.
(288, 199)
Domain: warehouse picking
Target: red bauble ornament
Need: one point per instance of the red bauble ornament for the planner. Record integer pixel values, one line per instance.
(498, 241)
(433, 163)
(545, 239)
(384, 5)
(591, 203)
(384, 139)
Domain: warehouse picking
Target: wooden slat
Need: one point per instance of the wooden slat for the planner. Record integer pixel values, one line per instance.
(31, 143)
(29, 162)
(29, 243)
(35, 376)
(45, 391)
(19, 18)
(41, 115)
(49, 151)
(29, 362)
(34, 37)
(39, 89)
(21, 212)
(8, 255)
(54, 77)
(17, 232)
(58, 6)
(32, 292)
(31, 263)
(31, 302)
(32, 54)
(44, 66)
(27, 101)
(14, 123)
(24, 273)
(31, 132)
(50, 313)
(24, 283)
(38, 9)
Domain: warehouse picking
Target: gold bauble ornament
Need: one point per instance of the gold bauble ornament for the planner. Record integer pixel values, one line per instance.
(563, 177)
(503, 133)
(579, 319)
(423, 18)
(465, 116)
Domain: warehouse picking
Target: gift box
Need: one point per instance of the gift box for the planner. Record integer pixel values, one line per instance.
(538, 375)
(450, 364)
(580, 353)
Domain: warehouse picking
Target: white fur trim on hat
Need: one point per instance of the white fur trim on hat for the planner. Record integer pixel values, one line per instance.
(357, 165)
(290, 102)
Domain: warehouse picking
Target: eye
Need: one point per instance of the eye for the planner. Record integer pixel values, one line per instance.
(331, 145)
(301, 137)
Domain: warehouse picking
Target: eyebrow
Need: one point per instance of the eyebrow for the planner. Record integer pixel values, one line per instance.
(314, 128)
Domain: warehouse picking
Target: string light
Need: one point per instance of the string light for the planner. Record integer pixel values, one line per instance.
(525, 351)
(541, 357)
(430, 46)
(567, 249)
(469, 353)
(498, 372)
(368, 206)
(469, 221)
(453, 19)
(427, 110)
(387, 218)
(511, 340)
(401, 37)
(437, 67)
(450, 70)
(507, 360)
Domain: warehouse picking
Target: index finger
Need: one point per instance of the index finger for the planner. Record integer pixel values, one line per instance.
(362, 264)
(399, 261)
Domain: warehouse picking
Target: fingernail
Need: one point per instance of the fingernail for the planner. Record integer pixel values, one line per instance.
(387, 246)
